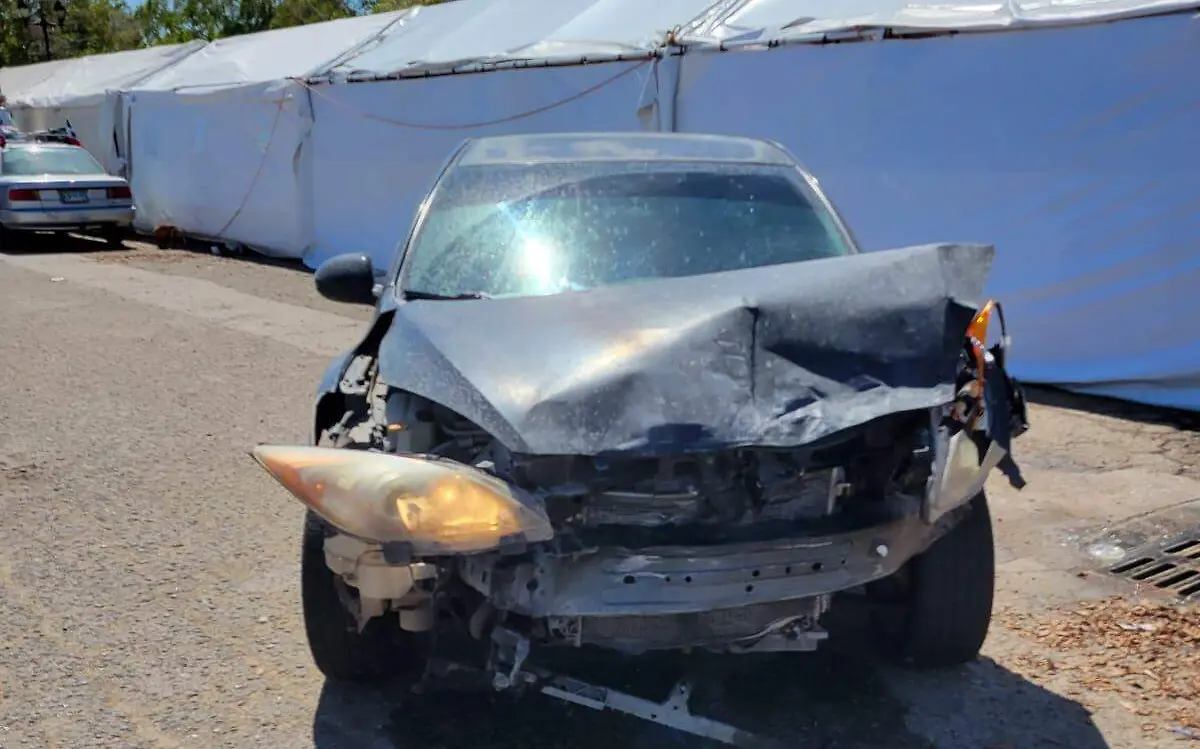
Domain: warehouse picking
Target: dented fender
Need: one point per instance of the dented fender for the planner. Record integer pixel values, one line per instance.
(989, 413)
(960, 472)
(328, 395)
(333, 374)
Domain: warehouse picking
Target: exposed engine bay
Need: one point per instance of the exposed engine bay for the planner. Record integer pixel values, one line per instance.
(733, 551)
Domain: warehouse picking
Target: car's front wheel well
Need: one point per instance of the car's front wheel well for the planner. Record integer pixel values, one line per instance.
(354, 382)
(329, 411)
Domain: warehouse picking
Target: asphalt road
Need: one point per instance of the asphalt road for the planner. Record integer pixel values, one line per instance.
(148, 569)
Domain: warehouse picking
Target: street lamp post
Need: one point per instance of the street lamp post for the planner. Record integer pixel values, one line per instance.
(34, 13)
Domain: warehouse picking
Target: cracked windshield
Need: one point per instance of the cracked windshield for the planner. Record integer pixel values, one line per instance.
(518, 231)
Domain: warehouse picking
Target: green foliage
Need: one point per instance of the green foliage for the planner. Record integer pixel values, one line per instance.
(95, 26)
(386, 6)
(99, 26)
(300, 12)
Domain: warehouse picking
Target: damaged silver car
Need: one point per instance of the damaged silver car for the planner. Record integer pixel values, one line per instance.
(642, 392)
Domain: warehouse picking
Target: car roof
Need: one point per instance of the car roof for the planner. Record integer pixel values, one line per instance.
(550, 148)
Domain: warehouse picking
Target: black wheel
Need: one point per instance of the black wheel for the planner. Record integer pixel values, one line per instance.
(115, 237)
(941, 601)
(342, 653)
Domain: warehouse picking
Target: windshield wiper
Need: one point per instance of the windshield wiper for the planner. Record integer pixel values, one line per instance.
(416, 294)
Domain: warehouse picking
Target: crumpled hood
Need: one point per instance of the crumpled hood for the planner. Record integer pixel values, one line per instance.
(779, 356)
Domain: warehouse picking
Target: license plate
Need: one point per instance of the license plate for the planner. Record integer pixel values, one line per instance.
(73, 196)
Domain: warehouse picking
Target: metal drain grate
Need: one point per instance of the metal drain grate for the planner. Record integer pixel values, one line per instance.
(1173, 567)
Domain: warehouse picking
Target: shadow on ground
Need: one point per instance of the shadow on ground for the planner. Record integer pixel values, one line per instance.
(21, 243)
(1056, 398)
(831, 698)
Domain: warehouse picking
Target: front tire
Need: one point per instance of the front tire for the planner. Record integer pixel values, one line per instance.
(945, 611)
(381, 651)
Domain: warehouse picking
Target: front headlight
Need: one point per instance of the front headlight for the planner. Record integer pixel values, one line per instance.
(437, 506)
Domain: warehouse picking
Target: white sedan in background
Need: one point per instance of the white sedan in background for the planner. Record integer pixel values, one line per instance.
(58, 187)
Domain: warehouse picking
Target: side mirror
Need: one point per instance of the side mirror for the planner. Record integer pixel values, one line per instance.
(347, 278)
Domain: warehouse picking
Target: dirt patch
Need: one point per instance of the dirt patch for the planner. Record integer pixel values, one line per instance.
(1145, 654)
(1085, 434)
(18, 473)
(137, 251)
(18, 469)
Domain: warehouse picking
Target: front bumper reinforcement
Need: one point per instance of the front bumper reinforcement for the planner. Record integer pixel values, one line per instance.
(672, 712)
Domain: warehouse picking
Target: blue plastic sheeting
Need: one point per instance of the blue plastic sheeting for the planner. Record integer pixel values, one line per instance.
(377, 147)
(1074, 151)
(465, 32)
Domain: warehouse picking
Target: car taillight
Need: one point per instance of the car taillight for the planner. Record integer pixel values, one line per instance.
(119, 193)
(18, 195)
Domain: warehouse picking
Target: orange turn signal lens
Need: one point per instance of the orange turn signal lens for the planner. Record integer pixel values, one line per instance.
(978, 329)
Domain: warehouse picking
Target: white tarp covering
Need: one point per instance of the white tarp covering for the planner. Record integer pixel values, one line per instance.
(271, 55)
(81, 81)
(25, 77)
(735, 21)
(87, 119)
(377, 146)
(465, 32)
(85, 92)
(216, 141)
(1073, 151)
(223, 164)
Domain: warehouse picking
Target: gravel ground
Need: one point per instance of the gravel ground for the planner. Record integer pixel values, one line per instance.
(148, 569)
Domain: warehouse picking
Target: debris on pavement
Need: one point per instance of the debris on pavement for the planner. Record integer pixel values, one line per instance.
(1146, 654)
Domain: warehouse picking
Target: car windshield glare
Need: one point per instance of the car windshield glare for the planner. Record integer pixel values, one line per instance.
(37, 161)
(524, 230)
